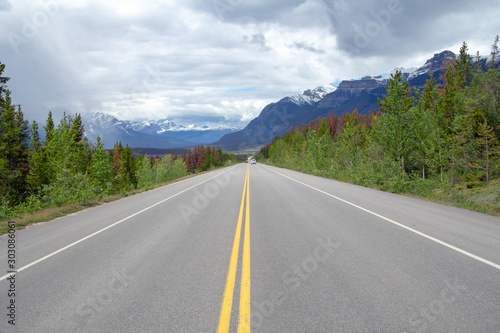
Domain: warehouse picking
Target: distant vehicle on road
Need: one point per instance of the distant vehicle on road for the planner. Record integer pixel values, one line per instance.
(253, 161)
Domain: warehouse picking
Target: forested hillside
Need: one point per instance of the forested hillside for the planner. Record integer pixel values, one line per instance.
(443, 136)
(66, 169)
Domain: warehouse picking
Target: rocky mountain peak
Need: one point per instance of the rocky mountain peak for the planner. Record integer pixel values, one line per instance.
(434, 64)
(310, 96)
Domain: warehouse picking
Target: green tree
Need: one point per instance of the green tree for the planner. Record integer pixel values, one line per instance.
(81, 154)
(77, 128)
(449, 101)
(14, 149)
(352, 140)
(163, 169)
(490, 150)
(65, 153)
(429, 149)
(127, 172)
(483, 95)
(101, 168)
(394, 127)
(494, 52)
(117, 158)
(145, 173)
(37, 175)
(3, 80)
(464, 66)
(49, 128)
(179, 169)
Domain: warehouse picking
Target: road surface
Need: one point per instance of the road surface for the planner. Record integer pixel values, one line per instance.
(255, 248)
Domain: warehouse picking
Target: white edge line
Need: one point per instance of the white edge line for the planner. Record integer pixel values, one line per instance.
(487, 262)
(106, 228)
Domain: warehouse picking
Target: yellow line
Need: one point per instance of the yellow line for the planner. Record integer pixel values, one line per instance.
(244, 321)
(227, 303)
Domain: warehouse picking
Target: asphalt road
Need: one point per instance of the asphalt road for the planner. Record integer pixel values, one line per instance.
(311, 255)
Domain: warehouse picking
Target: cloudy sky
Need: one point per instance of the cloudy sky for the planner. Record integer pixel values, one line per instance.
(217, 60)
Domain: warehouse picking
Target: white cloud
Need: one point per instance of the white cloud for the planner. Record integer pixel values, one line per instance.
(191, 59)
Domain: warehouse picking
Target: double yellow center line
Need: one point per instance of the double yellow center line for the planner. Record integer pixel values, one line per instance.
(227, 303)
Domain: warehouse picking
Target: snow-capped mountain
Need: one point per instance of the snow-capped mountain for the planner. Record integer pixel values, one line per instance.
(161, 133)
(431, 66)
(361, 94)
(311, 96)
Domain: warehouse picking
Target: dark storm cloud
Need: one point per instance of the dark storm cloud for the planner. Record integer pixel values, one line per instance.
(377, 28)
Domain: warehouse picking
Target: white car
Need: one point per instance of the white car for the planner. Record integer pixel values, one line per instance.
(253, 161)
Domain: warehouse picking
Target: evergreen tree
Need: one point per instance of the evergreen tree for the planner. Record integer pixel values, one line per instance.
(483, 94)
(49, 128)
(3, 80)
(14, 138)
(323, 128)
(35, 143)
(128, 170)
(352, 140)
(65, 155)
(437, 152)
(77, 128)
(448, 102)
(117, 158)
(490, 150)
(101, 168)
(394, 130)
(80, 152)
(464, 66)
(37, 175)
(424, 143)
(494, 53)
(478, 65)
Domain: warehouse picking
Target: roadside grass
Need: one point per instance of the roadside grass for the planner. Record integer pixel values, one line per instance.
(24, 220)
(481, 198)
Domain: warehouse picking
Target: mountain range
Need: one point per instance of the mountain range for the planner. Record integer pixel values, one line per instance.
(361, 94)
(150, 133)
(274, 120)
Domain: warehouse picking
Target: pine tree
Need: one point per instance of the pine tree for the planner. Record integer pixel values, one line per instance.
(49, 128)
(449, 100)
(478, 65)
(464, 66)
(14, 138)
(77, 128)
(494, 53)
(101, 168)
(483, 95)
(117, 158)
(3, 80)
(37, 175)
(80, 153)
(490, 150)
(437, 151)
(394, 130)
(128, 170)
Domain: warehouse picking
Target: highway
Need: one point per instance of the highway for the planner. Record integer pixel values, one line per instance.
(256, 248)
